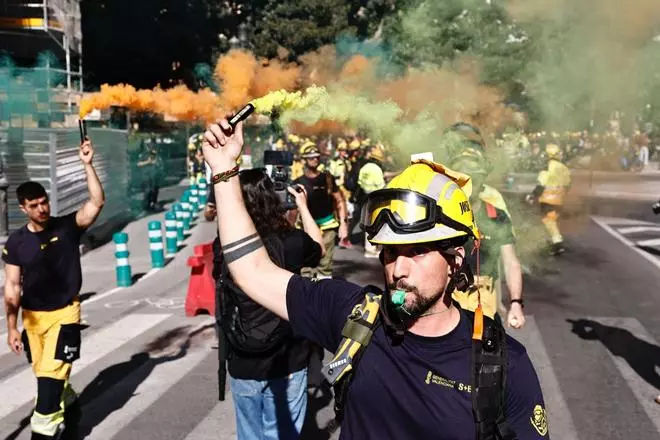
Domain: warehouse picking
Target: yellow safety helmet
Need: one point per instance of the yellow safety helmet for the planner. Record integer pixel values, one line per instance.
(427, 202)
(377, 153)
(354, 145)
(553, 151)
(309, 150)
(342, 145)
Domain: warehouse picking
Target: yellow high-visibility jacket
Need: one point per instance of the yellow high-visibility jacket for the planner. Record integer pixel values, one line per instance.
(555, 182)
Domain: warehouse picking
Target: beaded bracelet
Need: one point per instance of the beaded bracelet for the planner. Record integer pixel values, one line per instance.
(224, 176)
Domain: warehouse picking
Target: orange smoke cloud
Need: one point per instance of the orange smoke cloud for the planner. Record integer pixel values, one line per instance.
(452, 95)
(234, 73)
(319, 67)
(449, 95)
(242, 77)
(178, 102)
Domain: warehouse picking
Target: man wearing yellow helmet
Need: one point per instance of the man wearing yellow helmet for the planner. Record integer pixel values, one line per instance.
(371, 177)
(496, 229)
(324, 200)
(416, 377)
(551, 187)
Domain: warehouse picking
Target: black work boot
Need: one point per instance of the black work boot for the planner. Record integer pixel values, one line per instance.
(557, 249)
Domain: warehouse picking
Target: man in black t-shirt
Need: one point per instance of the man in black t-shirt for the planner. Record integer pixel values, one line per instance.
(415, 379)
(43, 277)
(325, 202)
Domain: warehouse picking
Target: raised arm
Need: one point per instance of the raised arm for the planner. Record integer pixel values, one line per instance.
(308, 223)
(87, 214)
(246, 257)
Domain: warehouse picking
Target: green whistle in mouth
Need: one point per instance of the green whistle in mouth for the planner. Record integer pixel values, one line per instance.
(398, 298)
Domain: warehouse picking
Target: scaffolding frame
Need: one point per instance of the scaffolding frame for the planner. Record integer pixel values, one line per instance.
(59, 20)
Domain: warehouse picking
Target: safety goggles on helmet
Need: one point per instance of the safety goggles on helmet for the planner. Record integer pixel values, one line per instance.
(405, 212)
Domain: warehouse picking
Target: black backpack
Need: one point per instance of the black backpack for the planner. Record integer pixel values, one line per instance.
(489, 363)
(352, 176)
(248, 327)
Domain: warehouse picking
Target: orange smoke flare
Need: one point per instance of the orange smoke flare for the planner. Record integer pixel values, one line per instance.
(178, 102)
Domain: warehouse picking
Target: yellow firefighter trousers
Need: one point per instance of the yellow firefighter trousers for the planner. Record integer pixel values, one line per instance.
(550, 221)
(54, 393)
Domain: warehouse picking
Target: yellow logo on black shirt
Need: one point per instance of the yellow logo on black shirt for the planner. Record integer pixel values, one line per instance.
(45, 245)
(539, 420)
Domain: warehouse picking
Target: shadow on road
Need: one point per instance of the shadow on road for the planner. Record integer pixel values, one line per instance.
(650, 250)
(642, 357)
(87, 295)
(24, 423)
(136, 277)
(319, 398)
(113, 387)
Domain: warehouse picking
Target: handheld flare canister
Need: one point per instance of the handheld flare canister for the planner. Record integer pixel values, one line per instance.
(241, 115)
(82, 126)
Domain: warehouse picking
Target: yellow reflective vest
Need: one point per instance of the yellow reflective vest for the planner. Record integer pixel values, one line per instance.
(555, 182)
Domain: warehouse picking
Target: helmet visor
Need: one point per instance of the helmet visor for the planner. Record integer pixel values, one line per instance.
(405, 211)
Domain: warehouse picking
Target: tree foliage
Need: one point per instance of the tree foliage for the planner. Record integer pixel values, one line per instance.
(147, 42)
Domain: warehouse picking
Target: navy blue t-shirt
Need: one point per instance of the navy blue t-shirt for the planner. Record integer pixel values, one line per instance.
(419, 389)
(49, 262)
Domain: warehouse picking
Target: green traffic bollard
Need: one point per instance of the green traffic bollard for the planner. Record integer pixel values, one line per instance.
(122, 268)
(187, 215)
(194, 201)
(180, 236)
(171, 245)
(156, 245)
(203, 192)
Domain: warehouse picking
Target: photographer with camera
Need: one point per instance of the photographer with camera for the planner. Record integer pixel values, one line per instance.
(267, 364)
(325, 199)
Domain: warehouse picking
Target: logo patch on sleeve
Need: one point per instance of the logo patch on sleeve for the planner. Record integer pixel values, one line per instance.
(539, 420)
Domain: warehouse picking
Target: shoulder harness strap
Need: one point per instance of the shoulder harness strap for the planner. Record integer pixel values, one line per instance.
(488, 377)
(357, 333)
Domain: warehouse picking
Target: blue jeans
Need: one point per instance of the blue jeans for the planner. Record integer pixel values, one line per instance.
(270, 409)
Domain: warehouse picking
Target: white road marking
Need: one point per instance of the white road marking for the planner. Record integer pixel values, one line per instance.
(163, 377)
(560, 421)
(636, 229)
(22, 386)
(649, 242)
(643, 391)
(650, 258)
(103, 295)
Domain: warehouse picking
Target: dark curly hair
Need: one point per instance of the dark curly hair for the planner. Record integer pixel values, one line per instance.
(263, 204)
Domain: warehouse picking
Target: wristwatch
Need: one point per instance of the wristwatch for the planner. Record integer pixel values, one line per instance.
(519, 301)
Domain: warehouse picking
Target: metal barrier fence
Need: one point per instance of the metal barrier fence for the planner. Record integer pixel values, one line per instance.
(50, 156)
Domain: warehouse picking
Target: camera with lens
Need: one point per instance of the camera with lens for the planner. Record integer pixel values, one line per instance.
(656, 207)
(280, 162)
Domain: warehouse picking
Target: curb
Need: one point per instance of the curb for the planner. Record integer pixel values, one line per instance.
(118, 289)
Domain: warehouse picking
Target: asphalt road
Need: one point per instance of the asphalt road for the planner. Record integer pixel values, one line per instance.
(148, 372)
